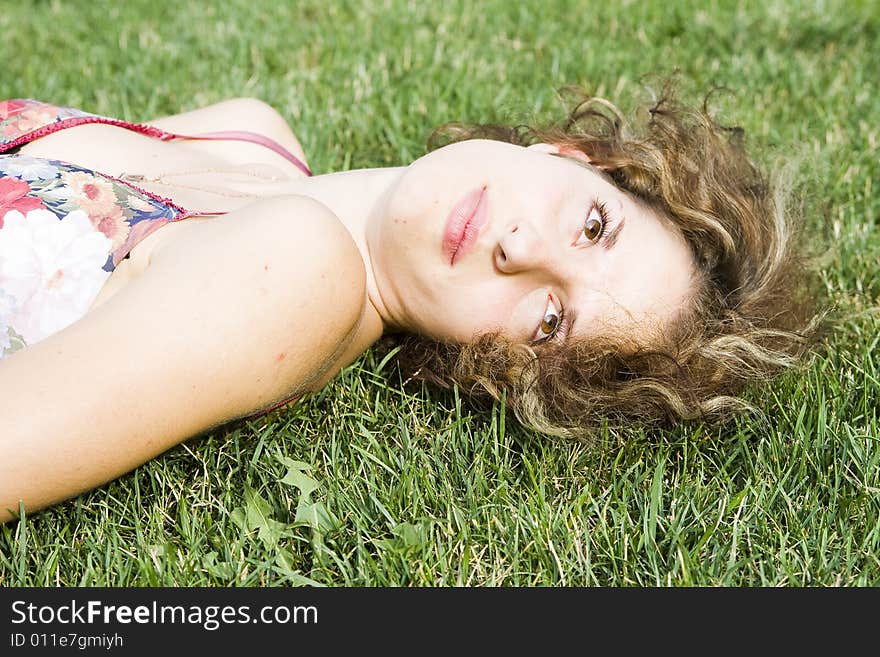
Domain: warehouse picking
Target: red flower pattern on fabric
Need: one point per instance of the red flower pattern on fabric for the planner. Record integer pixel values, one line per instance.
(14, 196)
(10, 107)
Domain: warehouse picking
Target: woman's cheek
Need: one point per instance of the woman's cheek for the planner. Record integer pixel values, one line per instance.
(492, 312)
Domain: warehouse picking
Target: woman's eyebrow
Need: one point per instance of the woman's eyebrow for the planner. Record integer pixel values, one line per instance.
(610, 239)
(572, 318)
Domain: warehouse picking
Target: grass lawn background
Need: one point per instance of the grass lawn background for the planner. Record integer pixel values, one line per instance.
(364, 484)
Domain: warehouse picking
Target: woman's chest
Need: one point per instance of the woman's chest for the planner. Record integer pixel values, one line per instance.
(202, 177)
(115, 151)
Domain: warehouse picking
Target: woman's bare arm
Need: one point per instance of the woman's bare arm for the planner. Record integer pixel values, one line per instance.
(232, 315)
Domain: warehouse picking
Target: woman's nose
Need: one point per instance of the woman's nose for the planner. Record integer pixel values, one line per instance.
(520, 248)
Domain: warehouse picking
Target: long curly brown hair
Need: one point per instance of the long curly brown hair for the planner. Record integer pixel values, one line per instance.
(753, 313)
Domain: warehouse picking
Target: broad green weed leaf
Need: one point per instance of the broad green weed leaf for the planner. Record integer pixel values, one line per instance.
(317, 517)
(257, 515)
(303, 482)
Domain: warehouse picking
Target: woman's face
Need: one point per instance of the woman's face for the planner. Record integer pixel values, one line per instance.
(482, 235)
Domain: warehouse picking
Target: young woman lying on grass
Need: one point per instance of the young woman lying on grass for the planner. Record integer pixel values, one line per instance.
(160, 279)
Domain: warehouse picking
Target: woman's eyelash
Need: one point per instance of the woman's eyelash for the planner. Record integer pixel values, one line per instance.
(603, 210)
(561, 327)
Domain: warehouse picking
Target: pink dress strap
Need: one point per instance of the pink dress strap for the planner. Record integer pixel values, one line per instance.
(253, 137)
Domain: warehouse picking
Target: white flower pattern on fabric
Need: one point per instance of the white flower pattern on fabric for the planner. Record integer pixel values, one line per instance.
(30, 169)
(7, 310)
(51, 268)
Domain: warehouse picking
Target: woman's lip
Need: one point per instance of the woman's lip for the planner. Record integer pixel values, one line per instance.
(464, 223)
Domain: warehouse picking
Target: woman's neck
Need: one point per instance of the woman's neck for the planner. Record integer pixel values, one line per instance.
(357, 198)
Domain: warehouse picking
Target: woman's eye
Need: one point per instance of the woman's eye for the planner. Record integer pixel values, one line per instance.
(549, 322)
(594, 226)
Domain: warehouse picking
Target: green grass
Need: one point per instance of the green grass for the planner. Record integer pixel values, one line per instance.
(365, 484)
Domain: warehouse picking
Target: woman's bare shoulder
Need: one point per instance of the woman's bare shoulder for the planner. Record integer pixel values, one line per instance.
(289, 227)
(284, 256)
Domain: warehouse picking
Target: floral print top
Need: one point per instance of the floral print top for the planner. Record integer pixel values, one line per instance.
(63, 228)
